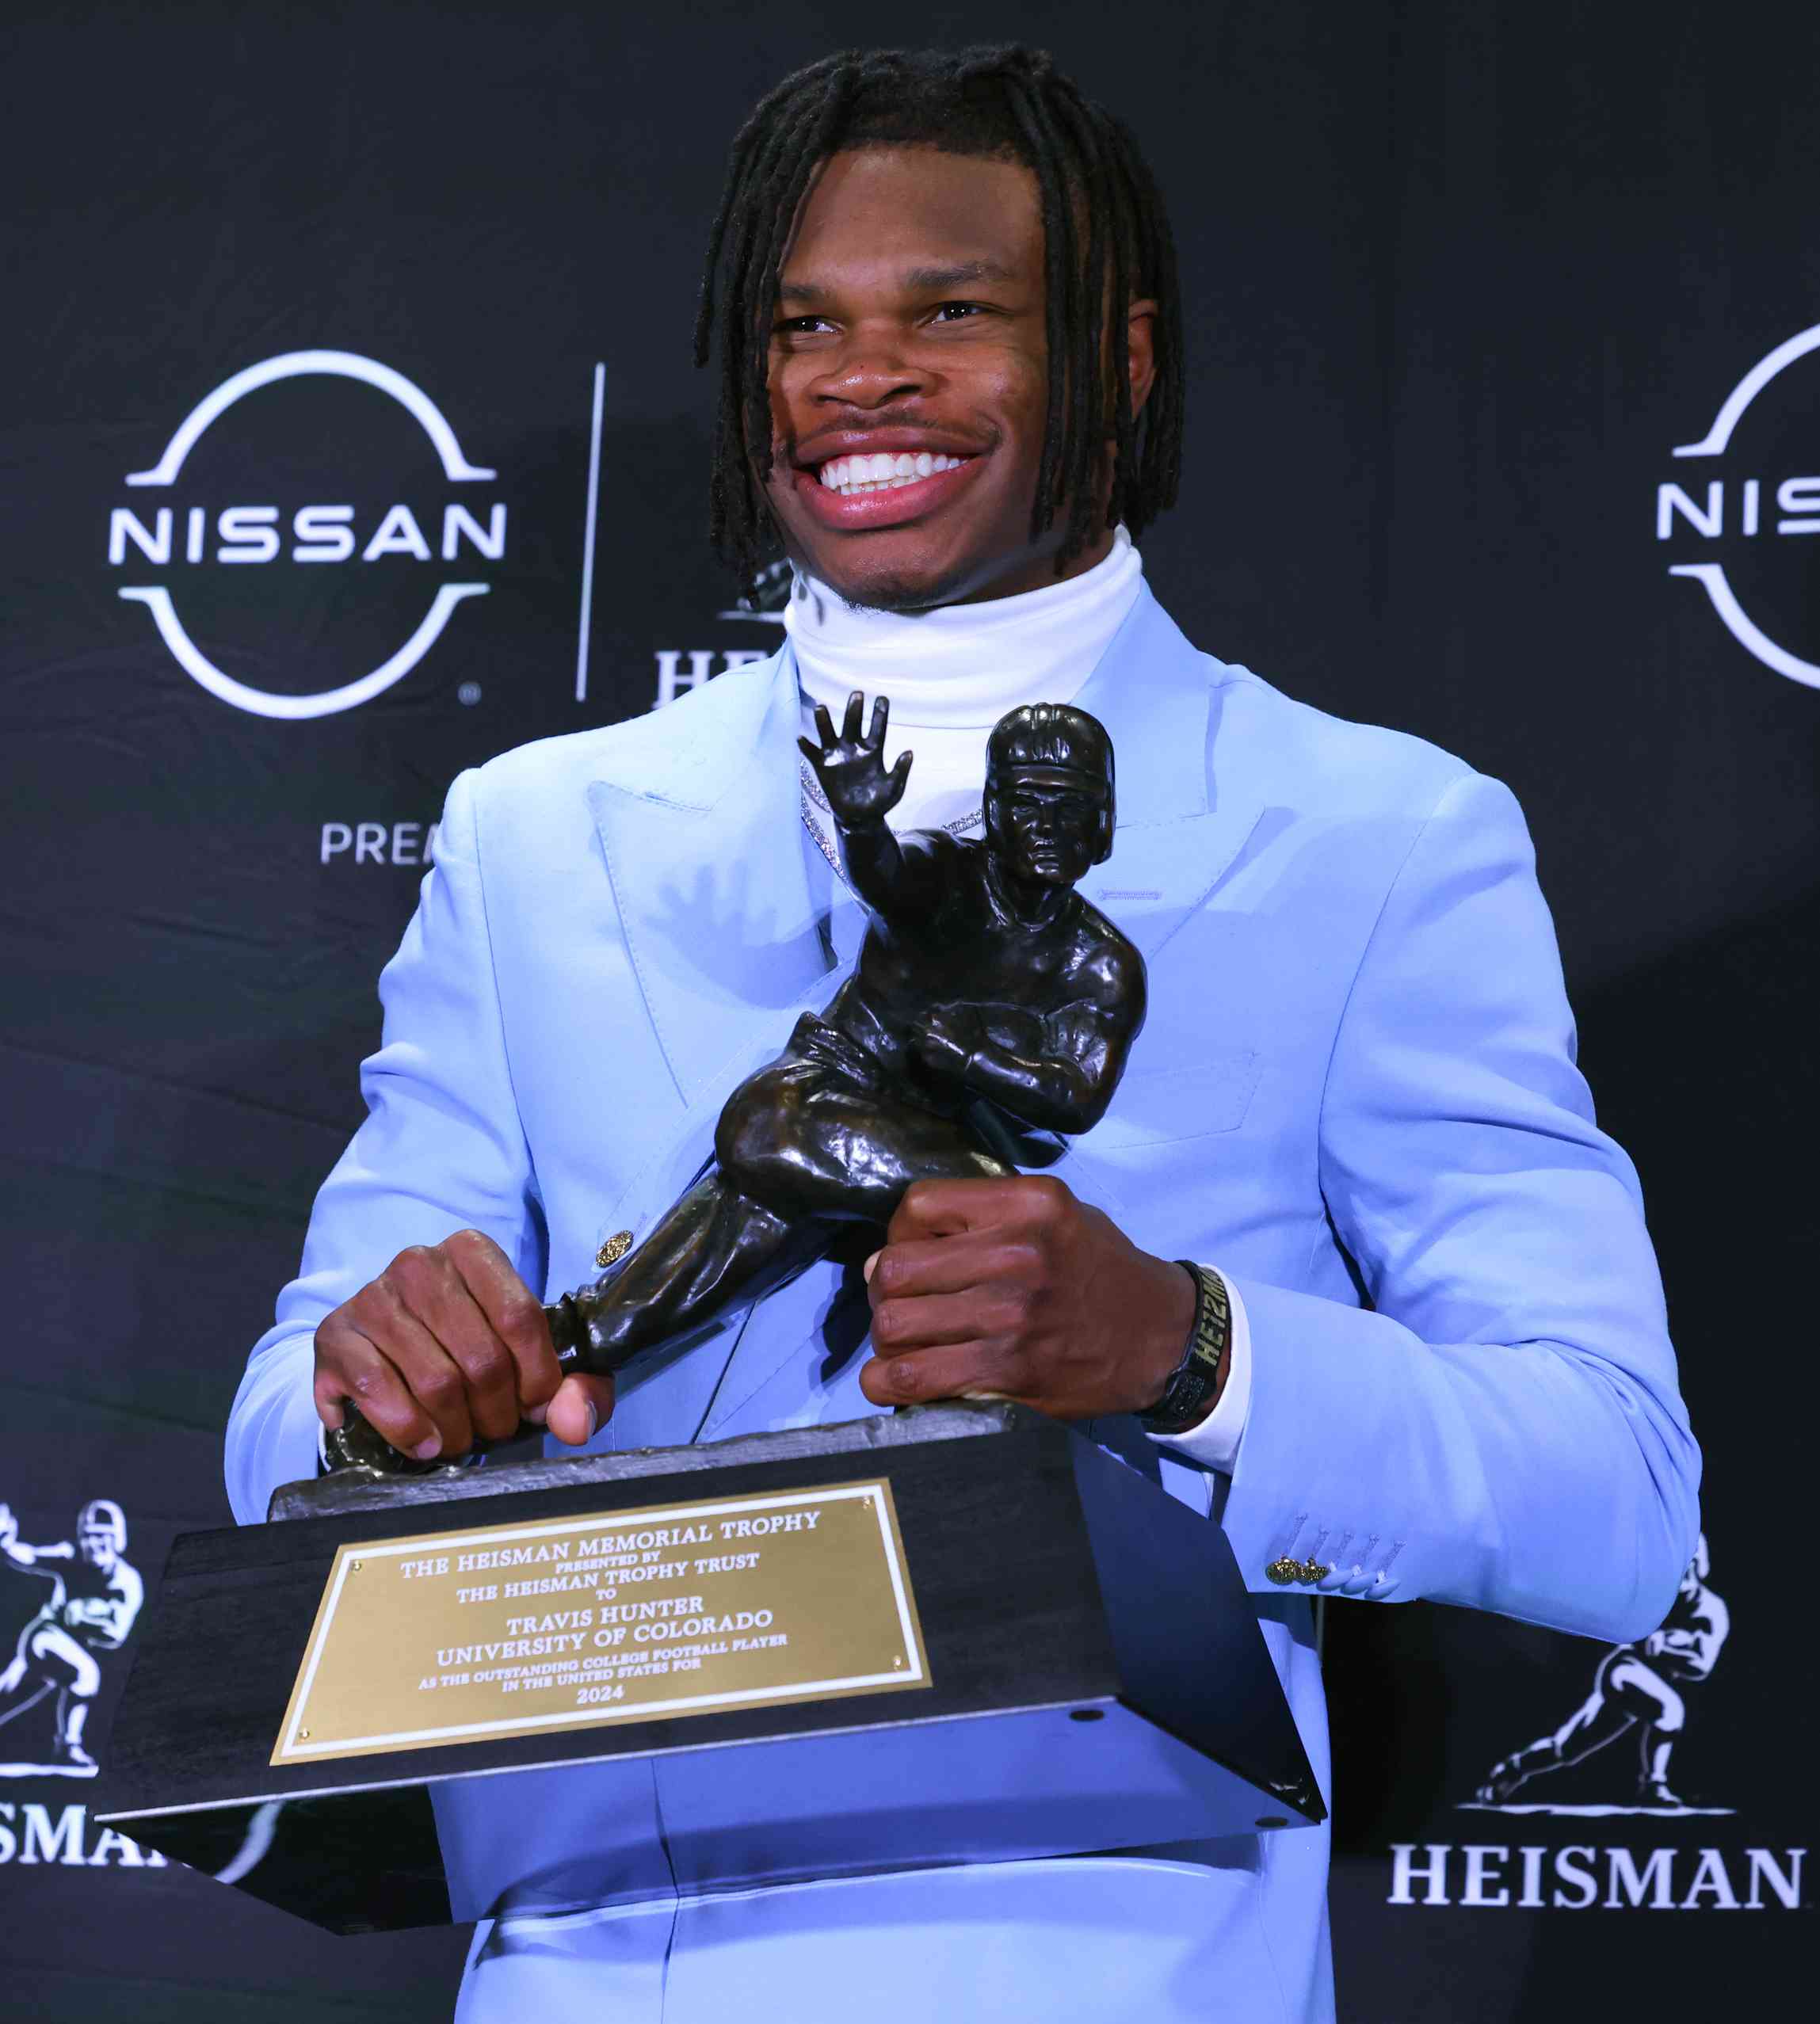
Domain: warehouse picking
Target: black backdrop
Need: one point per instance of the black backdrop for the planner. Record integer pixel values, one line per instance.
(1460, 282)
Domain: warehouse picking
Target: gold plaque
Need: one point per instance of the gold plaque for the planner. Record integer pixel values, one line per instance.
(635, 1616)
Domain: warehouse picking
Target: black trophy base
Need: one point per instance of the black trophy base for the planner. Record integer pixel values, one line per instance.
(1098, 1681)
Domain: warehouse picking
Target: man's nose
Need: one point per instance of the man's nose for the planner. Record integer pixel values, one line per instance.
(875, 366)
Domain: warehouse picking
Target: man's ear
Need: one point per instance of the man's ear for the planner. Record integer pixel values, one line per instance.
(1140, 342)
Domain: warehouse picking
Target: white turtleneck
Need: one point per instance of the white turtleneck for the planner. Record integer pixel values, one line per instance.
(950, 674)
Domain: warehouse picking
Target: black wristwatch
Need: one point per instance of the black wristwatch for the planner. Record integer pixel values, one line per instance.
(1196, 1379)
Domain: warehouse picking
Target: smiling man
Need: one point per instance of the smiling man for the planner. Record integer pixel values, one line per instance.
(1419, 1348)
(910, 395)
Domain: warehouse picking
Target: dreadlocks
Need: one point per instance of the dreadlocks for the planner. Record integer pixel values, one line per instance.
(1007, 103)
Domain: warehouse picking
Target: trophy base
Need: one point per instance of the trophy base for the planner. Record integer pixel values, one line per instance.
(519, 1466)
(955, 1634)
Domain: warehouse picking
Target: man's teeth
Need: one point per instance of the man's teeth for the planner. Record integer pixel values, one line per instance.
(850, 476)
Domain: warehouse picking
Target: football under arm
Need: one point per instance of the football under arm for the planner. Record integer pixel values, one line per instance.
(1059, 1074)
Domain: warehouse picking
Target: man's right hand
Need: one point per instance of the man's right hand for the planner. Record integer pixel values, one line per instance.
(448, 1345)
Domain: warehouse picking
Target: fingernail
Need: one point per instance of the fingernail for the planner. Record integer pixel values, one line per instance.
(428, 1450)
(536, 1414)
(593, 1421)
(870, 1263)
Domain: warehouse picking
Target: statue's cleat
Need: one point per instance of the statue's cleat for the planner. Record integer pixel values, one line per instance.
(358, 1443)
(1652, 1792)
(74, 1761)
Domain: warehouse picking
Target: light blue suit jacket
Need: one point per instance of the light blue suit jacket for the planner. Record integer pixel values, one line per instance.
(1356, 1092)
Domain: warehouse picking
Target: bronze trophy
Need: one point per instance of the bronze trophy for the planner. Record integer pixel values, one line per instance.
(990, 1004)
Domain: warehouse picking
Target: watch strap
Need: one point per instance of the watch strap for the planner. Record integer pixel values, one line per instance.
(1194, 1381)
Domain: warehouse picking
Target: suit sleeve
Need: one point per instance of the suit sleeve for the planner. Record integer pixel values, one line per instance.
(441, 1150)
(1505, 1431)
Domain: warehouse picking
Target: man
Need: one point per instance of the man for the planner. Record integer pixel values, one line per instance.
(91, 1608)
(943, 292)
(1637, 1685)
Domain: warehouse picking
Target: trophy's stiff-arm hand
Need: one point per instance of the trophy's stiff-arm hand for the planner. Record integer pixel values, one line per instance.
(861, 790)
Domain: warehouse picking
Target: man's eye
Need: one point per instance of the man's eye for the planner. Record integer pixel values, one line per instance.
(958, 312)
(800, 326)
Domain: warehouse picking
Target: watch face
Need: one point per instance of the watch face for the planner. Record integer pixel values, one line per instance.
(1182, 1403)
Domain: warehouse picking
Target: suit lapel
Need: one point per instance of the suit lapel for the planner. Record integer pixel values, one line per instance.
(1181, 819)
(703, 840)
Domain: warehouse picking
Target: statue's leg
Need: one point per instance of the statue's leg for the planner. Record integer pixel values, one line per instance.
(21, 1689)
(714, 1246)
(830, 1148)
(801, 1149)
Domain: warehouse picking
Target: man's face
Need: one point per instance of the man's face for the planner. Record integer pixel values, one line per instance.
(910, 327)
(96, 1547)
(1042, 823)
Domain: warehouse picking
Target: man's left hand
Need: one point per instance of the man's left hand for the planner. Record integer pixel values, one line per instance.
(1012, 1289)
